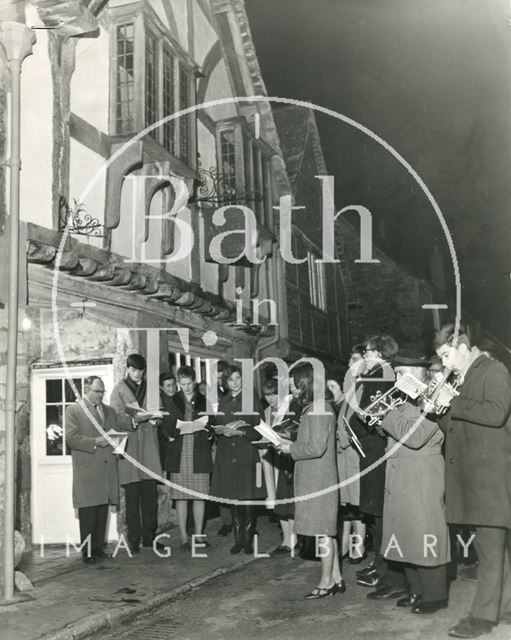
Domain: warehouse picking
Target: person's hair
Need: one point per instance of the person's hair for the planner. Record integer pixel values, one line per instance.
(303, 377)
(447, 335)
(232, 368)
(357, 348)
(270, 386)
(166, 375)
(337, 375)
(185, 372)
(221, 366)
(136, 361)
(384, 344)
(88, 382)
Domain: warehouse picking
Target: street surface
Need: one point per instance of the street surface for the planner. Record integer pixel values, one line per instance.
(264, 600)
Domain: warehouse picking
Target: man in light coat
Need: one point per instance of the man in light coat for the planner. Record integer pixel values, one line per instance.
(478, 474)
(95, 480)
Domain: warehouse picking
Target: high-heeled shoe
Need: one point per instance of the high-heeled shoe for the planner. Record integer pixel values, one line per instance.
(321, 592)
(340, 587)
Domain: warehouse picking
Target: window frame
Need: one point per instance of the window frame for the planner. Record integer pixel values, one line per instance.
(247, 149)
(145, 26)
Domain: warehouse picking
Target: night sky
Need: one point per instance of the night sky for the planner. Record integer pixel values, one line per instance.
(433, 80)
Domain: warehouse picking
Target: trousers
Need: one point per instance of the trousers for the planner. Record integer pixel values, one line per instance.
(428, 582)
(93, 522)
(493, 594)
(141, 511)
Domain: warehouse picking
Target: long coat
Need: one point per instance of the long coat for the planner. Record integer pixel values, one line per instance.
(142, 442)
(372, 484)
(414, 505)
(202, 458)
(348, 459)
(478, 448)
(95, 479)
(235, 468)
(314, 453)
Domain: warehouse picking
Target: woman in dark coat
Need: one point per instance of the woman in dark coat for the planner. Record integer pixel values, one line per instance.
(314, 453)
(188, 459)
(235, 469)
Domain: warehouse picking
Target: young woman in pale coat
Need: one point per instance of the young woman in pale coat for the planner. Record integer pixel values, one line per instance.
(314, 453)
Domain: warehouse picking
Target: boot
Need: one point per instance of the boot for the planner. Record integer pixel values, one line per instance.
(250, 527)
(237, 529)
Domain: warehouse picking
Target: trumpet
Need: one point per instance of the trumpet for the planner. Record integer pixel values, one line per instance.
(442, 390)
(438, 395)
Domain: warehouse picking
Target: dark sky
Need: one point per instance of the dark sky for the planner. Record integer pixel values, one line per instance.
(433, 80)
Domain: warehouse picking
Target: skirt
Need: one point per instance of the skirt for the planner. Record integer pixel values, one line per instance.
(186, 477)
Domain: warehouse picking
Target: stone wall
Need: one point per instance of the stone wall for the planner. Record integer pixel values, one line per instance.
(386, 298)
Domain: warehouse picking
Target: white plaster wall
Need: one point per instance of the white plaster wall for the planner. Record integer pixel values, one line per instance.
(219, 86)
(123, 234)
(181, 16)
(208, 270)
(157, 5)
(36, 135)
(90, 82)
(83, 166)
(204, 37)
(206, 146)
(182, 268)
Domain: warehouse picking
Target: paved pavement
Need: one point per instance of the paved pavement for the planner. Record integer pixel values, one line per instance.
(72, 600)
(264, 601)
(219, 596)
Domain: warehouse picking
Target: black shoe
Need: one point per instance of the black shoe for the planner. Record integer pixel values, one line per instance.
(224, 530)
(340, 587)
(133, 547)
(369, 581)
(160, 547)
(366, 571)
(432, 606)
(201, 542)
(236, 548)
(471, 628)
(358, 559)
(89, 560)
(320, 592)
(101, 555)
(409, 601)
(386, 592)
(282, 549)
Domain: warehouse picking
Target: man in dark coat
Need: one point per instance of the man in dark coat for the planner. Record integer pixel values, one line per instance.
(478, 474)
(95, 480)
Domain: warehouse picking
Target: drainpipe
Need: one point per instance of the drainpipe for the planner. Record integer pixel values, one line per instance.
(17, 41)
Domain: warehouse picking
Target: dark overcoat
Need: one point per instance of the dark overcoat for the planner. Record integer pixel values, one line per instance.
(478, 448)
(202, 440)
(372, 484)
(314, 453)
(234, 471)
(142, 442)
(95, 479)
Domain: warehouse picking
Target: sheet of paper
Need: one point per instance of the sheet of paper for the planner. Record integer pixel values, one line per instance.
(121, 447)
(269, 434)
(191, 426)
